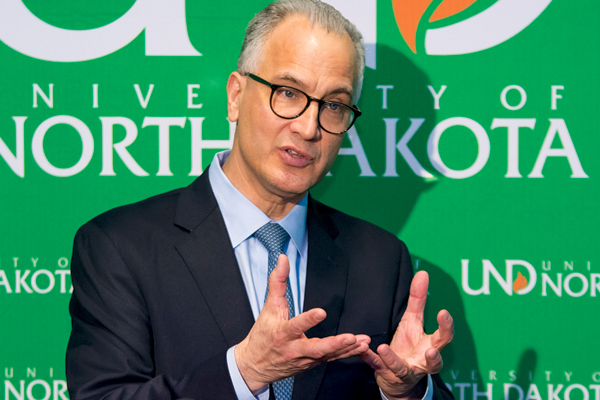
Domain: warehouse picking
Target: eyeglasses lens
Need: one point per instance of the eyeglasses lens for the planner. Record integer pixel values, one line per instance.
(288, 102)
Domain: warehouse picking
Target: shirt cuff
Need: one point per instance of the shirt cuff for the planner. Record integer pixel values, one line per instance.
(239, 385)
(428, 393)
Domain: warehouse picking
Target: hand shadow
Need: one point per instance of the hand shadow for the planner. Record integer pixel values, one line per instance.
(525, 375)
(460, 356)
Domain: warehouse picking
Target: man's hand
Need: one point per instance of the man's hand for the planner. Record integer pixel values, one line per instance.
(400, 367)
(277, 348)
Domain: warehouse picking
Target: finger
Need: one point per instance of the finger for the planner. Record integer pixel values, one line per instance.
(418, 295)
(433, 361)
(303, 322)
(363, 338)
(278, 282)
(445, 332)
(373, 360)
(397, 365)
(321, 349)
(361, 346)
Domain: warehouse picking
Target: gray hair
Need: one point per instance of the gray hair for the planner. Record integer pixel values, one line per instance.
(318, 12)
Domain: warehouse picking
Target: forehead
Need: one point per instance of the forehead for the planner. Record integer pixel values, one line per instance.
(312, 56)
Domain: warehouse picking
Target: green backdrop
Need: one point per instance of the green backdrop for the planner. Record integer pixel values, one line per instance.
(493, 186)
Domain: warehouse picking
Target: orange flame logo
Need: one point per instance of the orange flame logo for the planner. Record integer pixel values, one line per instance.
(519, 283)
(408, 14)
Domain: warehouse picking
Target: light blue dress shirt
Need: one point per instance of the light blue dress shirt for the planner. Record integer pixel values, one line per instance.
(242, 218)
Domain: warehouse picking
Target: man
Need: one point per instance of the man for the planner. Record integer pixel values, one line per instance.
(171, 297)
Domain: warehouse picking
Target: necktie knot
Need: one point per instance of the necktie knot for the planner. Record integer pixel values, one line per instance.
(273, 237)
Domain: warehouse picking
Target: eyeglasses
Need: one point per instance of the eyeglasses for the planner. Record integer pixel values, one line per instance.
(289, 103)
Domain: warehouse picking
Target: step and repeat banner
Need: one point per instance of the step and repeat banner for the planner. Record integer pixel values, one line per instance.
(477, 147)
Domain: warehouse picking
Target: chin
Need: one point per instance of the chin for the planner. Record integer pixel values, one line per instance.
(292, 186)
(292, 191)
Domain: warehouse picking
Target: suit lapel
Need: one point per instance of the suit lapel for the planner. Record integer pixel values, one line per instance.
(326, 276)
(211, 260)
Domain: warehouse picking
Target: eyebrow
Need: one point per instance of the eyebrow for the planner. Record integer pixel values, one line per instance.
(291, 79)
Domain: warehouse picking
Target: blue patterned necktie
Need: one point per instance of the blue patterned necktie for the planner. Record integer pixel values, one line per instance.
(274, 238)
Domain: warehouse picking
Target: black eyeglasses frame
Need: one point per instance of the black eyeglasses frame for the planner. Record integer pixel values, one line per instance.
(320, 102)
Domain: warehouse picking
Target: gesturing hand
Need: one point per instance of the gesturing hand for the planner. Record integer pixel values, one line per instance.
(412, 354)
(277, 348)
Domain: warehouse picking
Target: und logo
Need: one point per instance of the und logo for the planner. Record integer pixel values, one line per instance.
(522, 279)
(162, 21)
(491, 27)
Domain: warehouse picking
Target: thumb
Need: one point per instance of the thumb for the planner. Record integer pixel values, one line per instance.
(278, 284)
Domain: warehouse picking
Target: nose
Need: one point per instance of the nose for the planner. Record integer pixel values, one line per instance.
(307, 124)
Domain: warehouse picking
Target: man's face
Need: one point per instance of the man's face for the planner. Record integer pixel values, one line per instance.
(286, 157)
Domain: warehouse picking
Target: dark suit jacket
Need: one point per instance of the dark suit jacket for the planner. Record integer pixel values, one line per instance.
(158, 299)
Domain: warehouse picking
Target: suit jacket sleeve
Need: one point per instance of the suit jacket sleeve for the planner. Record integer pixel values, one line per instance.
(110, 351)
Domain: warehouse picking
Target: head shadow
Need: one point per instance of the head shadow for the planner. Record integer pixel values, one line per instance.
(388, 196)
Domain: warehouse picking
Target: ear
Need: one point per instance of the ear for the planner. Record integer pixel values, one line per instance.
(235, 88)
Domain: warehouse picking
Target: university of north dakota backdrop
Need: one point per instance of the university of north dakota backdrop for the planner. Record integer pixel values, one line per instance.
(478, 147)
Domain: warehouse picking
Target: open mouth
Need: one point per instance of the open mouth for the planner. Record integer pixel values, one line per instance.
(296, 158)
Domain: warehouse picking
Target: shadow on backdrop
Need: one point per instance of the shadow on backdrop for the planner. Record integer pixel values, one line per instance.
(388, 201)
(460, 356)
(525, 374)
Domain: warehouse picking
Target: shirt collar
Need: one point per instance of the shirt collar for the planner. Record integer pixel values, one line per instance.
(243, 218)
